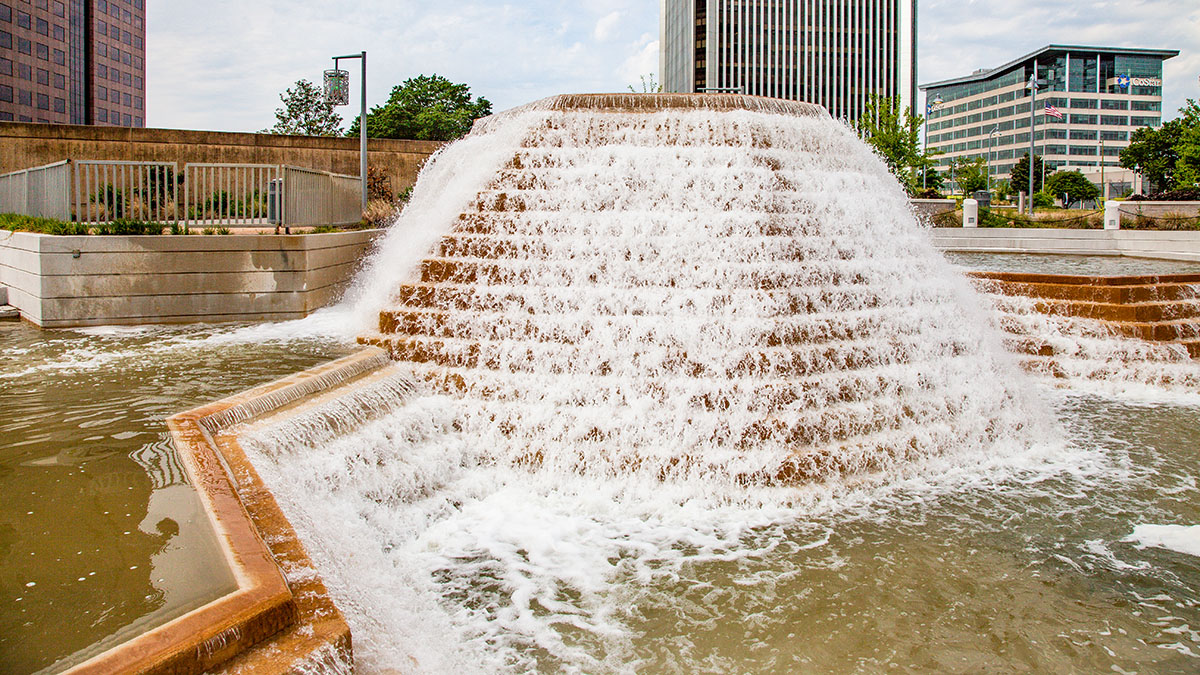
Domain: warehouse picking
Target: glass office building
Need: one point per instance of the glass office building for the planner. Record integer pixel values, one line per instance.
(831, 52)
(1103, 94)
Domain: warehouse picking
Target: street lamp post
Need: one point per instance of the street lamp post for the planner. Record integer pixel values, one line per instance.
(991, 146)
(362, 123)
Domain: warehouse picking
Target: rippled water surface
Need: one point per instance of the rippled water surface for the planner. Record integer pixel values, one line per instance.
(1048, 263)
(101, 534)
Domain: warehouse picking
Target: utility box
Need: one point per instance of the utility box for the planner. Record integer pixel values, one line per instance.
(983, 197)
(274, 201)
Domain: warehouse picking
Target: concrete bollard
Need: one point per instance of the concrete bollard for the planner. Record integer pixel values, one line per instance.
(1112, 215)
(970, 213)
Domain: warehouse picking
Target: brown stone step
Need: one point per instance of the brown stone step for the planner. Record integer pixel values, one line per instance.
(542, 273)
(569, 329)
(654, 250)
(644, 302)
(1141, 312)
(1184, 330)
(602, 225)
(1100, 293)
(554, 358)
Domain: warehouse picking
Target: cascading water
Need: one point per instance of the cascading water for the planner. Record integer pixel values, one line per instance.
(689, 375)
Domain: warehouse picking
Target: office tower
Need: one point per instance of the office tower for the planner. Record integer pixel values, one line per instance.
(73, 62)
(832, 52)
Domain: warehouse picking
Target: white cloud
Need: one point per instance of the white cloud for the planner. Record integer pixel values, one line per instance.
(606, 26)
(228, 75)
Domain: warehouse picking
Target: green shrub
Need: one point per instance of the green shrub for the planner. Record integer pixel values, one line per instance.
(324, 229)
(16, 222)
(178, 228)
(223, 230)
(126, 226)
(1041, 200)
(208, 230)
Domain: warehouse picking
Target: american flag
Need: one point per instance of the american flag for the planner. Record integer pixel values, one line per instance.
(1053, 112)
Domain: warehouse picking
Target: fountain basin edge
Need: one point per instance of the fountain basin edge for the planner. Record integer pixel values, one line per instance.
(272, 623)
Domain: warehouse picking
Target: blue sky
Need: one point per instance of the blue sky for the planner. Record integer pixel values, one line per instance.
(227, 75)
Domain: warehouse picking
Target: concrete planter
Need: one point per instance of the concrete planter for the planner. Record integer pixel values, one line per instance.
(60, 282)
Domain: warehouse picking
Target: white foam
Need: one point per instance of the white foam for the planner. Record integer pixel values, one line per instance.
(1178, 538)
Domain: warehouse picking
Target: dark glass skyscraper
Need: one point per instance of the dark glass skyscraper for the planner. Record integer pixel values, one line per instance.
(73, 61)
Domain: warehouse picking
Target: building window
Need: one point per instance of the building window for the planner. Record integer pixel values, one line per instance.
(137, 122)
(1083, 150)
(126, 120)
(24, 46)
(102, 114)
(60, 33)
(101, 70)
(43, 51)
(59, 9)
(102, 93)
(1114, 120)
(6, 93)
(24, 72)
(114, 116)
(126, 37)
(1115, 104)
(5, 66)
(137, 102)
(5, 13)
(24, 97)
(1147, 105)
(24, 20)
(102, 6)
(43, 76)
(43, 102)
(115, 54)
(137, 42)
(114, 75)
(1083, 134)
(42, 27)
(126, 79)
(102, 48)
(126, 99)
(137, 83)
(1114, 135)
(60, 81)
(60, 105)
(126, 58)
(101, 27)
(1083, 119)
(1144, 121)
(60, 57)
(5, 39)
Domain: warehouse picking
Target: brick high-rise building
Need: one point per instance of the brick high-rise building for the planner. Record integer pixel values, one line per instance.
(73, 61)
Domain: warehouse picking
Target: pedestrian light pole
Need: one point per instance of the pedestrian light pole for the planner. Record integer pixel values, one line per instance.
(337, 92)
(991, 146)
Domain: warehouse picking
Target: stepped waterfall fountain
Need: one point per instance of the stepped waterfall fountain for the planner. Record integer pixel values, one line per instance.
(680, 383)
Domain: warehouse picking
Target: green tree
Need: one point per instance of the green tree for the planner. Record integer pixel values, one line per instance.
(1071, 187)
(970, 173)
(1155, 153)
(1020, 174)
(1187, 167)
(305, 112)
(894, 133)
(427, 108)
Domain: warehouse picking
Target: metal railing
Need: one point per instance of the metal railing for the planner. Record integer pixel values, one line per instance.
(236, 195)
(104, 191)
(320, 198)
(41, 191)
(230, 194)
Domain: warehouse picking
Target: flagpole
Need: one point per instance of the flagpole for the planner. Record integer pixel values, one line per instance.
(1033, 87)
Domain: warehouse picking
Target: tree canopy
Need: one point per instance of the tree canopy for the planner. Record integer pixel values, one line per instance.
(895, 135)
(305, 112)
(426, 107)
(1169, 156)
(1020, 174)
(1071, 187)
(970, 174)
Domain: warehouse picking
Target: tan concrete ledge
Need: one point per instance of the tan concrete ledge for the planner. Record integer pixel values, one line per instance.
(270, 624)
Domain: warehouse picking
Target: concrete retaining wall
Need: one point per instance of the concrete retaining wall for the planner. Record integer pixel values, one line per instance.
(1132, 243)
(932, 207)
(24, 145)
(1160, 209)
(60, 282)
